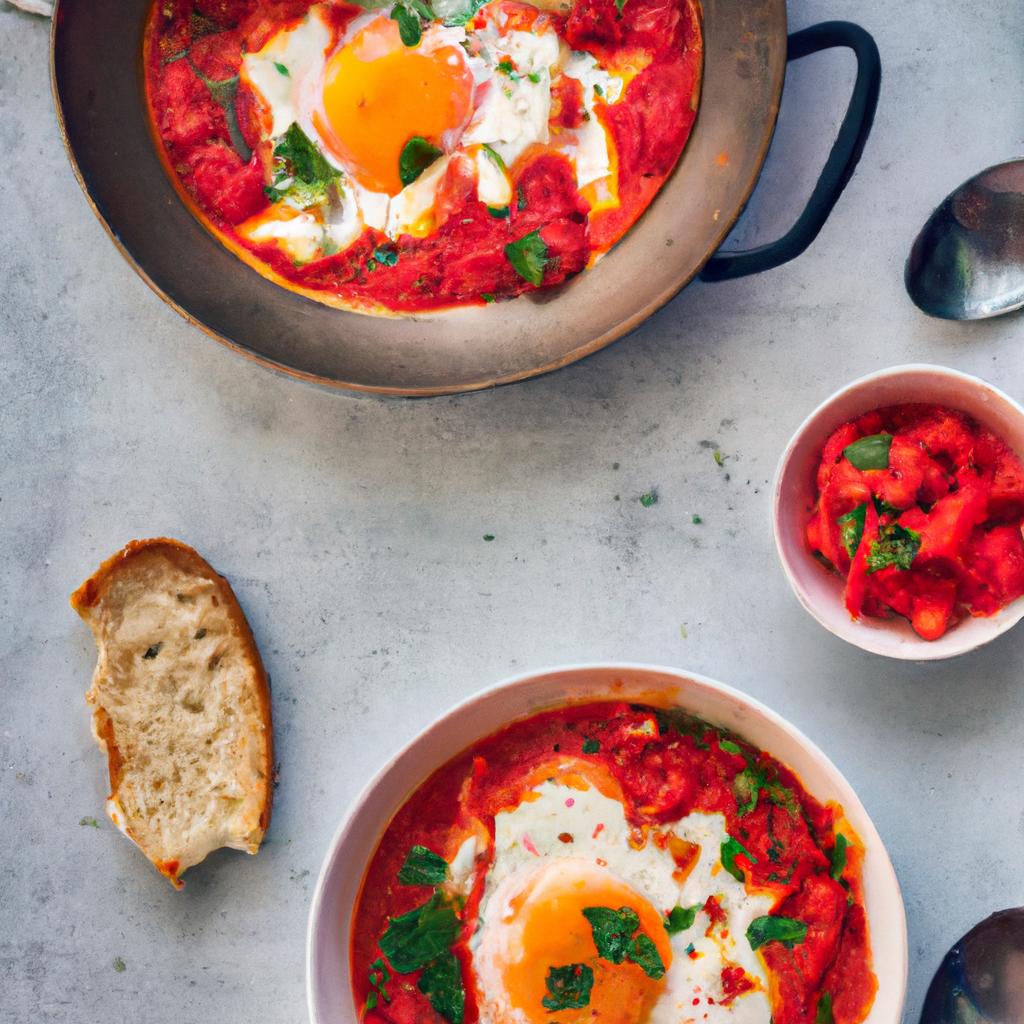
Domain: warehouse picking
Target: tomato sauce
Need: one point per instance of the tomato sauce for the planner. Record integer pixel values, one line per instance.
(667, 764)
(203, 118)
(921, 509)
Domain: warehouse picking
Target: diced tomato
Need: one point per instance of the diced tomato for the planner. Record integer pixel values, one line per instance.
(949, 522)
(857, 581)
(217, 56)
(596, 23)
(944, 433)
(567, 110)
(993, 568)
(1006, 494)
(931, 606)
(226, 13)
(838, 440)
(188, 115)
(821, 905)
(226, 185)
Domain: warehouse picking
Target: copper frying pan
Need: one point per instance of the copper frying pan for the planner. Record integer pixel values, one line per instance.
(97, 84)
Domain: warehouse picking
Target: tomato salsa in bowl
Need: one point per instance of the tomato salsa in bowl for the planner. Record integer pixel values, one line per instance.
(907, 489)
(619, 841)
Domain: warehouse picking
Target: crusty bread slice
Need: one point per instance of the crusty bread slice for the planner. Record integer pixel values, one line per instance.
(182, 705)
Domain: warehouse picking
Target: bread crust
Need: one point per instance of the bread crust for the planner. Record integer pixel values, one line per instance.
(90, 595)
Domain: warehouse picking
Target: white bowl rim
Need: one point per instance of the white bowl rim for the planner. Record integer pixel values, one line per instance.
(868, 833)
(917, 650)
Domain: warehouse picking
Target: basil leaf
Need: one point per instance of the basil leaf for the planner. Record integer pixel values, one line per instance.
(839, 856)
(870, 452)
(730, 850)
(613, 931)
(681, 918)
(495, 159)
(895, 546)
(414, 939)
(385, 255)
(591, 746)
(282, 69)
(644, 953)
(619, 5)
(417, 155)
(529, 257)
(423, 867)
(223, 93)
(823, 1015)
(775, 929)
(729, 747)
(851, 528)
(568, 987)
(441, 983)
(302, 174)
(409, 25)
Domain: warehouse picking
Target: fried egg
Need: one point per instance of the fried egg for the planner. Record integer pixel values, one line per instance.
(567, 846)
(482, 89)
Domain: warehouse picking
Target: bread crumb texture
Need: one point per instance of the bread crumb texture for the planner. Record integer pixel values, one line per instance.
(181, 705)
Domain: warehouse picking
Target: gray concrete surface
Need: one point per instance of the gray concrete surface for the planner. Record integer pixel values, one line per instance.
(352, 529)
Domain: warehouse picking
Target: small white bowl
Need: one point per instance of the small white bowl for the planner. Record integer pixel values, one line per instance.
(328, 981)
(821, 591)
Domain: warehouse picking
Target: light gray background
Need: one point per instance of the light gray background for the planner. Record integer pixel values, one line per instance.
(352, 531)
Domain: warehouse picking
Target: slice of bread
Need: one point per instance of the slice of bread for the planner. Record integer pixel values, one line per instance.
(181, 705)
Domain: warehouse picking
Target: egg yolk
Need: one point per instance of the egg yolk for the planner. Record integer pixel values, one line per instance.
(546, 928)
(379, 93)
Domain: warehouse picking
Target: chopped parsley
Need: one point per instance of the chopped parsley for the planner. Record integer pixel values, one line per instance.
(411, 16)
(385, 255)
(415, 939)
(823, 1015)
(730, 850)
(719, 458)
(441, 983)
(870, 452)
(91, 822)
(498, 211)
(528, 256)
(696, 519)
(729, 747)
(756, 779)
(598, 90)
(495, 159)
(568, 987)
(591, 746)
(649, 498)
(838, 856)
(534, 76)
(417, 155)
(506, 67)
(423, 867)
(488, 297)
(896, 546)
(681, 918)
(282, 69)
(617, 938)
(119, 965)
(851, 528)
(775, 929)
(488, 537)
(301, 173)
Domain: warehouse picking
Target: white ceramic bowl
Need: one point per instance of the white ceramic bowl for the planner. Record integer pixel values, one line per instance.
(330, 920)
(820, 591)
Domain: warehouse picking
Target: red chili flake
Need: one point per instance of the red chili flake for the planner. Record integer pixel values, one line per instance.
(528, 843)
(598, 830)
(696, 1001)
(569, 802)
(601, 862)
(565, 837)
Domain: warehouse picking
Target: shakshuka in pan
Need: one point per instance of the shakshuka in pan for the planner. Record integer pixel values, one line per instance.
(399, 157)
(611, 863)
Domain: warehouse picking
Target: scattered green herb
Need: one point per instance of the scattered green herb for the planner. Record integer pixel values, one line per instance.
(496, 159)
(649, 498)
(223, 93)
(690, 949)
(423, 867)
(417, 155)
(410, 28)
(488, 297)
(488, 537)
(91, 822)
(441, 983)
(415, 939)
(119, 965)
(870, 452)
(385, 255)
(498, 211)
(697, 520)
(301, 173)
(591, 746)
(619, 5)
(617, 938)
(719, 458)
(506, 67)
(282, 69)
(851, 528)
(681, 918)
(883, 508)
(598, 89)
(775, 929)
(730, 850)
(529, 257)
(520, 197)
(838, 856)
(379, 977)
(729, 747)
(823, 1015)
(895, 546)
(757, 779)
(534, 76)
(568, 987)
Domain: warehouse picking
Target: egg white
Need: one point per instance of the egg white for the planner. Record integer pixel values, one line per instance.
(527, 839)
(511, 113)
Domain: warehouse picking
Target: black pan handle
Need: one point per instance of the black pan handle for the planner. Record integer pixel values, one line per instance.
(849, 145)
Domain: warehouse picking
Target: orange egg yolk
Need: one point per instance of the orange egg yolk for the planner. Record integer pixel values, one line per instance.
(379, 93)
(547, 929)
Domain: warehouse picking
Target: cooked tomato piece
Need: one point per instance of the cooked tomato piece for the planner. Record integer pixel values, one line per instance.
(567, 110)
(189, 116)
(226, 185)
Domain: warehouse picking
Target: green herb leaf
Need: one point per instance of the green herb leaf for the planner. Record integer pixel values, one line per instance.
(851, 528)
(441, 983)
(568, 987)
(498, 211)
(757, 779)
(730, 850)
(506, 67)
(520, 196)
(302, 174)
(529, 257)
(719, 458)
(619, 5)
(729, 747)
(223, 93)
(385, 255)
(282, 69)
(488, 297)
(598, 89)
(895, 546)
(696, 519)
(534, 76)
(91, 822)
(823, 1015)
(379, 977)
(644, 953)
(883, 508)
(681, 918)
(775, 929)
(613, 931)
(415, 939)
(649, 498)
(838, 856)
(591, 746)
(495, 159)
(119, 965)
(870, 452)
(371, 1001)
(417, 155)
(423, 867)
(488, 537)
(409, 26)
(463, 14)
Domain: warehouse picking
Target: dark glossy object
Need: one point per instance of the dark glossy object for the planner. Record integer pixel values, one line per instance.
(968, 261)
(97, 81)
(981, 979)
